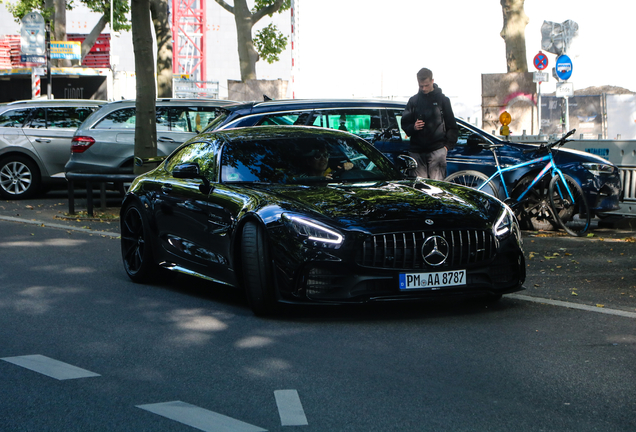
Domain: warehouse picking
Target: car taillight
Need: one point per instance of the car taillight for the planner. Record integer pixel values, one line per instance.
(80, 144)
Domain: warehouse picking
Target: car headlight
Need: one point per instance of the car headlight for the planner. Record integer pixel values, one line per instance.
(313, 231)
(598, 168)
(505, 224)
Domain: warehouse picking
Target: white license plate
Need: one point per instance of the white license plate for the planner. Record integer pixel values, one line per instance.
(432, 280)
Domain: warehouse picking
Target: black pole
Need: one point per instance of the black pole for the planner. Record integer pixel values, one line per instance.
(48, 60)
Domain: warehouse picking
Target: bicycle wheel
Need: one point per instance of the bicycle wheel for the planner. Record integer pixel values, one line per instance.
(474, 180)
(533, 211)
(572, 212)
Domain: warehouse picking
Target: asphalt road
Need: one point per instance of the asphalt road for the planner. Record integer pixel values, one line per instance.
(82, 348)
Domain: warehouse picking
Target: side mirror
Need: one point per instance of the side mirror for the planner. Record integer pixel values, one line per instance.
(192, 171)
(475, 139)
(186, 171)
(406, 163)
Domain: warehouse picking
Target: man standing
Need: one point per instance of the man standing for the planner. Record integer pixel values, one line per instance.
(429, 120)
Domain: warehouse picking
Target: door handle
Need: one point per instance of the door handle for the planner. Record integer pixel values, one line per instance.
(166, 188)
(42, 140)
(166, 139)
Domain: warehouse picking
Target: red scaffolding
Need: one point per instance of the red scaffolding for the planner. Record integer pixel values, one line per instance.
(188, 32)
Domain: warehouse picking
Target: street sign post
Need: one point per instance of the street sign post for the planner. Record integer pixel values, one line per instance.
(564, 67)
(33, 39)
(564, 72)
(540, 62)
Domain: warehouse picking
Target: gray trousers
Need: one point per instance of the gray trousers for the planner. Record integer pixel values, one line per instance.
(430, 165)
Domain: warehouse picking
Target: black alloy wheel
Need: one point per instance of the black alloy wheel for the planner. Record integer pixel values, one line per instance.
(257, 269)
(135, 246)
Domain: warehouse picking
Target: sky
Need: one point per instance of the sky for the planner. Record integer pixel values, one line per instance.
(351, 48)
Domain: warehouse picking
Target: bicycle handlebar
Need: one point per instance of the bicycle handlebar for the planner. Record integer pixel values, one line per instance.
(548, 146)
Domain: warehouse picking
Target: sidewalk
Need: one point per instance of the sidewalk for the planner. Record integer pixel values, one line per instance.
(51, 209)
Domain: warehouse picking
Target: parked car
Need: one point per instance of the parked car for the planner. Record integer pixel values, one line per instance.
(104, 144)
(237, 208)
(378, 121)
(35, 142)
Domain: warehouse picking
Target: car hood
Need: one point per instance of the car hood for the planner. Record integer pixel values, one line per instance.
(383, 205)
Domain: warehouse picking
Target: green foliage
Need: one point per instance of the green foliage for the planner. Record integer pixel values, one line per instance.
(260, 4)
(20, 8)
(120, 10)
(23, 7)
(269, 43)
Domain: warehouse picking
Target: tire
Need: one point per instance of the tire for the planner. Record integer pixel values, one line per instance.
(136, 251)
(19, 178)
(573, 216)
(473, 179)
(534, 212)
(257, 269)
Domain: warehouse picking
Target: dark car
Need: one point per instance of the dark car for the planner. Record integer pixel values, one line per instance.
(237, 207)
(378, 121)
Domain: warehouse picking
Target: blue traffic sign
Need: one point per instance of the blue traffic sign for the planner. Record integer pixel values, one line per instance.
(563, 67)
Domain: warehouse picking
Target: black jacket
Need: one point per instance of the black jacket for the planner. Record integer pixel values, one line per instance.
(436, 111)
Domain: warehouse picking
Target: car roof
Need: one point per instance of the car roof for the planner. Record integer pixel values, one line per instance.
(287, 104)
(273, 132)
(177, 101)
(56, 102)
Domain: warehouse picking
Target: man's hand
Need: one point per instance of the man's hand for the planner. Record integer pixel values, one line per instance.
(419, 124)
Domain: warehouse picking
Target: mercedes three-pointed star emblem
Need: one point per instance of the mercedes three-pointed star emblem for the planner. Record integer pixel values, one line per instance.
(435, 250)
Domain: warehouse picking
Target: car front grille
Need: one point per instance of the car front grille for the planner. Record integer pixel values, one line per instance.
(404, 250)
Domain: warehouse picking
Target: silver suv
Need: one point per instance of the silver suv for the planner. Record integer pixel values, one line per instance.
(104, 144)
(35, 142)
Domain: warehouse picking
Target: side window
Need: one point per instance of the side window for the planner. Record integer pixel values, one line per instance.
(464, 133)
(14, 118)
(185, 119)
(395, 119)
(362, 122)
(163, 119)
(64, 118)
(38, 119)
(197, 152)
(120, 119)
(284, 119)
(200, 117)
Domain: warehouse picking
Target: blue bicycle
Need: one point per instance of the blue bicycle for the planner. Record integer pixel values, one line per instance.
(557, 200)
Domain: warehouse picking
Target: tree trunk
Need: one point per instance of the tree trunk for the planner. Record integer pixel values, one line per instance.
(145, 126)
(163, 33)
(514, 34)
(247, 53)
(59, 19)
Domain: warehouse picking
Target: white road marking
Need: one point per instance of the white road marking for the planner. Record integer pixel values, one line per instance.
(199, 418)
(573, 305)
(50, 367)
(289, 408)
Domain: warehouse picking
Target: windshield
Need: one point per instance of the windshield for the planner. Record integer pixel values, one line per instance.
(304, 160)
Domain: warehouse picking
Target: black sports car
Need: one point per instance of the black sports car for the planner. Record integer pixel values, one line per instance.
(304, 214)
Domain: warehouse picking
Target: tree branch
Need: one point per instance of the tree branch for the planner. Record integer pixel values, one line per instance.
(225, 6)
(268, 10)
